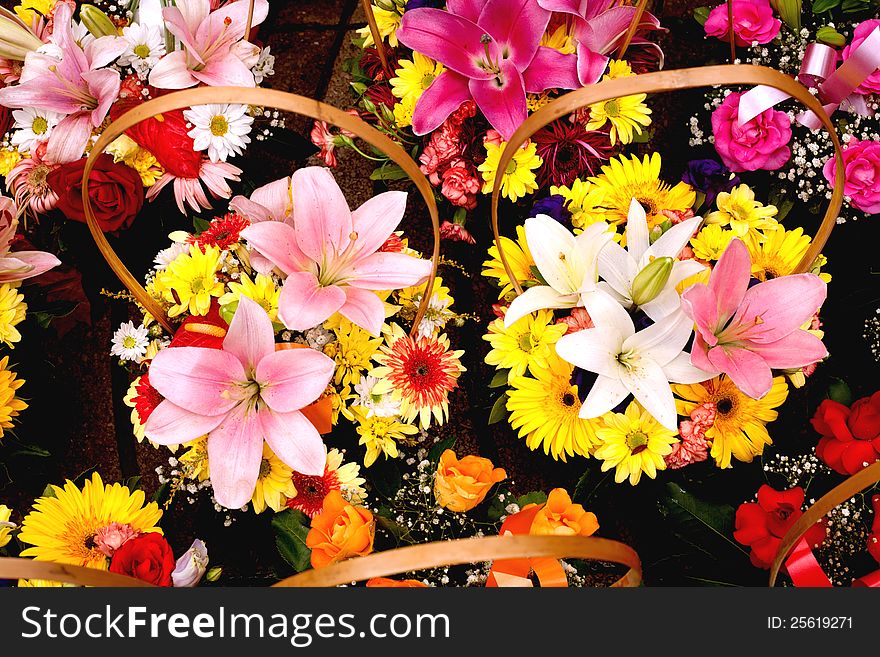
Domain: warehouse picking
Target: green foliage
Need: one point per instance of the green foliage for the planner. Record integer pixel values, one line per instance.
(291, 527)
(499, 409)
(697, 522)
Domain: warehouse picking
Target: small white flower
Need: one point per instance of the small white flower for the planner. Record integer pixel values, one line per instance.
(130, 342)
(81, 34)
(145, 47)
(32, 126)
(379, 405)
(436, 316)
(264, 66)
(166, 256)
(221, 129)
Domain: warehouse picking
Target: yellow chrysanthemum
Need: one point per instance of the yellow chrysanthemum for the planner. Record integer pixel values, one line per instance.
(414, 76)
(352, 351)
(193, 463)
(544, 411)
(124, 149)
(28, 10)
(584, 201)
(10, 405)
(6, 526)
(380, 435)
(8, 160)
(740, 428)
(348, 475)
(627, 115)
(262, 290)
(560, 39)
(188, 283)
(12, 312)
(633, 442)
(518, 257)
(388, 23)
(626, 178)
(739, 210)
(403, 112)
(528, 342)
(519, 175)
(274, 484)
(64, 528)
(777, 252)
(534, 102)
(710, 242)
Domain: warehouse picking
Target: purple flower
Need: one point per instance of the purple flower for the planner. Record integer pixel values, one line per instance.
(709, 177)
(420, 4)
(553, 206)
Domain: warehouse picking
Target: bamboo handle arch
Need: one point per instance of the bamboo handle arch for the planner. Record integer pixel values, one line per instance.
(20, 568)
(674, 80)
(280, 100)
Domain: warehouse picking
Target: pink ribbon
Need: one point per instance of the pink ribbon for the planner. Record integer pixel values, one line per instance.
(836, 85)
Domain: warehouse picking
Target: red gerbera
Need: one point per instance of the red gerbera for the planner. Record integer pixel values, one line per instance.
(311, 491)
(570, 151)
(223, 232)
(147, 398)
(393, 244)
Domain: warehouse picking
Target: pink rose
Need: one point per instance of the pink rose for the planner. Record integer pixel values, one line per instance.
(761, 143)
(752, 22)
(460, 185)
(861, 159)
(871, 84)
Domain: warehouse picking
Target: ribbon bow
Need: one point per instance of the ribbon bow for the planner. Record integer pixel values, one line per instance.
(819, 69)
(804, 570)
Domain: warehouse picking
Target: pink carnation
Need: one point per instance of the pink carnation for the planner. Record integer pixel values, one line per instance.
(112, 537)
(871, 84)
(693, 447)
(578, 320)
(761, 143)
(456, 233)
(861, 159)
(752, 22)
(460, 185)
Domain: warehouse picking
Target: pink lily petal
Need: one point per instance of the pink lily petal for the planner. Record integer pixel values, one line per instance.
(551, 69)
(74, 60)
(277, 242)
(40, 92)
(180, 25)
(235, 452)
(304, 304)
(447, 38)
(502, 99)
(295, 441)
(226, 24)
(730, 279)
(69, 139)
(255, 212)
(388, 271)
(606, 393)
(104, 86)
(26, 264)
(782, 304)
(700, 304)
(517, 26)
(294, 378)
(445, 95)
(797, 349)
(375, 220)
(364, 308)
(170, 424)
(250, 337)
(591, 65)
(192, 13)
(746, 369)
(225, 70)
(700, 356)
(276, 198)
(575, 7)
(196, 378)
(606, 28)
(172, 72)
(104, 50)
(321, 214)
(469, 9)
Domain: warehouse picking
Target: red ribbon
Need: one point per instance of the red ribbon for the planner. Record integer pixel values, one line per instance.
(805, 571)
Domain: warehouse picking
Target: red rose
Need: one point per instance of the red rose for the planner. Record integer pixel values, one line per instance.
(850, 436)
(115, 191)
(762, 525)
(874, 536)
(147, 557)
(5, 119)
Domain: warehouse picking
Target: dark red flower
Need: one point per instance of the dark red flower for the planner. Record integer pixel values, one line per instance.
(570, 151)
(223, 232)
(147, 399)
(393, 244)
(371, 64)
(381, 94)
(147, 557)
(850, 435)
(311, 491)
(761, 525)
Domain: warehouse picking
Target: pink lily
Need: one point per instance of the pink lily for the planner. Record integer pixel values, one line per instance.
(745, 332)
(239, 395)
(492, 51)
(18, 265)
(71, 80)
(599, 25)
(215, 51)
(331, 255)
(271, 202)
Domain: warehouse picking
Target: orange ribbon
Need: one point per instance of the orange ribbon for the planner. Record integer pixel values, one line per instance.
(515, 572)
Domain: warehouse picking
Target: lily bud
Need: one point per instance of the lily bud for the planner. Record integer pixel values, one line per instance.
(191, 565)
(97, 22)
(16, 38)
(649, 282)
(789, 11)
(830, 37)
(214, 574)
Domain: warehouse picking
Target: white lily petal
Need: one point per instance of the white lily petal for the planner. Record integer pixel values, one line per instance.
(663, 305)
(594, 350)
(663, 340)
(551, 245)
(583, 262)
(607, 313)
(537, 298)
(626, 302)
(618, 268)
(637, 240)
(683, 269)
(605, 394)
(649, 385)
(670, 243)
(680, 370)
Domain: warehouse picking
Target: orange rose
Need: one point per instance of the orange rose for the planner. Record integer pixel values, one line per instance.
(396, 583)
(461, 485)
(341, 530)
(559, 517)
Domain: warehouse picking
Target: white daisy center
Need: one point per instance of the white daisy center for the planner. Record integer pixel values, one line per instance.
(219, 125)
(40, 125)
(142, 50)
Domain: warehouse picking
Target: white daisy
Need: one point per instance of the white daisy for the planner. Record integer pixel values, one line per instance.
(130, 342)
(32, 126)
(436, 315)
(264, 67)
(221, 129)
(81, 34)
(378, 404)
(146, 46)
(166, 256)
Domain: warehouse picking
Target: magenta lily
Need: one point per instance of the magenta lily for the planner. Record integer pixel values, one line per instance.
(331, 255)
(239, 395)
(214, 50)
(492, 51)
(18, 265)
(746, 332)
(71, 81)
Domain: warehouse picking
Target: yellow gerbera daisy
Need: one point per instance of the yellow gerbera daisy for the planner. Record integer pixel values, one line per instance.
(388, 23)
(584, 201)
(529, 341)
(380, 435)
(414, 76)
(10, 405)
(633, 442)
(188, 283)
(627, 115)
(518, 257)
(12, 312)
(274, 484)
(312, 489)
(262, 290)
(544, 411)
(6, 526)
(710, 242)
(777, 252)
(67, 528)
(739, 210)
(353, 350)
(740, 428)
(519, 176)
(626, 178)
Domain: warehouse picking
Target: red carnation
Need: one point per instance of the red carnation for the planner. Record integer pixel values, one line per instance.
(147, 557)
(850, 435)
(223, 232)
(762, 525)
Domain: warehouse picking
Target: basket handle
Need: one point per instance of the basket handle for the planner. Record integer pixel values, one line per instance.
(275, 99)
(686, 78)
(20, 568)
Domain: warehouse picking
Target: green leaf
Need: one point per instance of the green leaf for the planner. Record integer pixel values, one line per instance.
(200, 225)
(161, 494)
(537, 274)
(580, 494)
(388, 172)
(25, 449)
(701, 15)
(840, 392)
(439, 448)
(821, 6)
(291, 528)
(499, 409)
(400, 533)
(386, 477)
(359, 88)
(500, 379)
(698, 521)
(498, 507)
(854, 6)
(48, 491)
(133, 483)
(535, 497)
(642, 137)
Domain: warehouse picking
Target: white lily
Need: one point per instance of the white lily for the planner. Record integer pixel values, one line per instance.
(568, 263)
(641, 364)
(619, 267)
